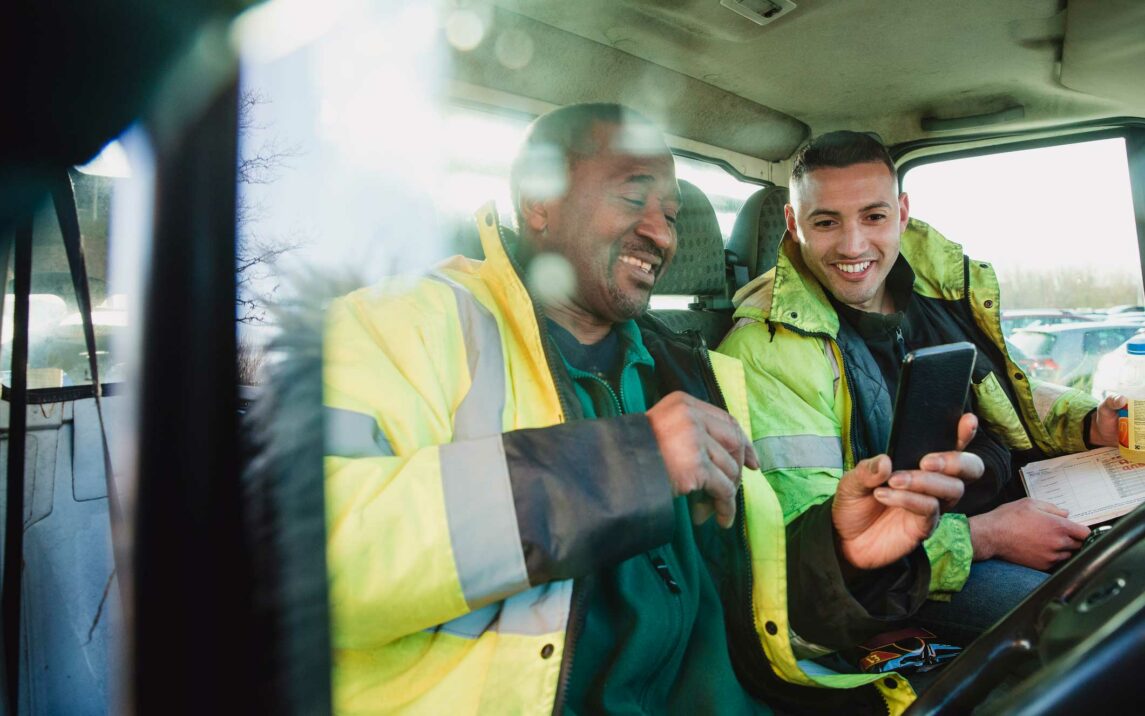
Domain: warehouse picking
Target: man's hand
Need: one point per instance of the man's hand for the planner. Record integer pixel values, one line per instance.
(1103, 427)
(878, 524)
(704, 450)
(1027, 532)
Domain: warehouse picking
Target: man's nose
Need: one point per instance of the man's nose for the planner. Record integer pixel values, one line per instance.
(854, 240)
(654, 225)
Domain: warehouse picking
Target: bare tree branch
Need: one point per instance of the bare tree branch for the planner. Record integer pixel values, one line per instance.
(256, 256)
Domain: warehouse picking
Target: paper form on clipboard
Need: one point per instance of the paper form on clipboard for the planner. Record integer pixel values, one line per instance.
(1094, 486)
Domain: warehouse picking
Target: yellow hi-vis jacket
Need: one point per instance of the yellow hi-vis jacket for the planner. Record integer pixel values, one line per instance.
(450, 592)
(787, 335)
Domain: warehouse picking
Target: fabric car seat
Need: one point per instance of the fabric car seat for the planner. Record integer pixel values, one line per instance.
(759, 227)
(698, 271)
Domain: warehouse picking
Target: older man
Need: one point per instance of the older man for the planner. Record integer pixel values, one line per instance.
(857, 285)
(519, 476)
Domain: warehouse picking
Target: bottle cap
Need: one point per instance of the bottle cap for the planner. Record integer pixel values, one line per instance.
(1136, 346)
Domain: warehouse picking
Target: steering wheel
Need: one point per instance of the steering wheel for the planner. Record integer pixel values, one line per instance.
(1082, 632)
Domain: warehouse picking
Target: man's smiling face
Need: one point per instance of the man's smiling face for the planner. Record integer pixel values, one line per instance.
(616, 224)
(847, 222)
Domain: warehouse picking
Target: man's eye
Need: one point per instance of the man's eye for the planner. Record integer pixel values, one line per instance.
(824, 223)
(634, 201)
(876, 217)
(670, 218)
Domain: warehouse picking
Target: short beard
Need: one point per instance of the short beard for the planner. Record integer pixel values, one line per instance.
(626, 308)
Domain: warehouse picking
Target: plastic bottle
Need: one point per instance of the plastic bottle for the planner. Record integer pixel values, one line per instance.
(1131, 418)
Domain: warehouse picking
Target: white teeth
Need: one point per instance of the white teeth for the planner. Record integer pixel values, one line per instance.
(853, 268)
(633, 261)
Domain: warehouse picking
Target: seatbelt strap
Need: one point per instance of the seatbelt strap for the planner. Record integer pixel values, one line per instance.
(63, 197)
(17, 427)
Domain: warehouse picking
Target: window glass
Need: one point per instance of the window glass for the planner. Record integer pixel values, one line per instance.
(479, 171)
(57, 353)
(1032, 343)
(726, 191)
(311, 200)
(1057, 225)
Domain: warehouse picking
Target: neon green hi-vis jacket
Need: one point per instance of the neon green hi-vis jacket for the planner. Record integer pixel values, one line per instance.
(451, 571)
(787, 336)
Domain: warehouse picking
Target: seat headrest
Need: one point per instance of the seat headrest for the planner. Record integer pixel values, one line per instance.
(698, 269)
(758, 230)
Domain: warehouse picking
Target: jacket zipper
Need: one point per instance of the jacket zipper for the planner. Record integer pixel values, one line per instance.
(672, 642)
(665, 573)
(576, 622)
(576, 608)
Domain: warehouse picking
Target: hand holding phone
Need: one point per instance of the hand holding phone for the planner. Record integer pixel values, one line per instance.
(932, 389)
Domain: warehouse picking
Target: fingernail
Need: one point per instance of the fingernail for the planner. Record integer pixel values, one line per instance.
(932, 463)
(882, 493)
(899, 481)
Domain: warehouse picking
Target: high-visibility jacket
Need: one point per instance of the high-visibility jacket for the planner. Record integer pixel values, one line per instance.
(788, 336)
(456, 532)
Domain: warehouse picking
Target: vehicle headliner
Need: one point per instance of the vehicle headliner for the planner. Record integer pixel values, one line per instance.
(713, 76)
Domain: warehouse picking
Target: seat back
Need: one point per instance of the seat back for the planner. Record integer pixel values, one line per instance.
(698, 270)
(757, 233)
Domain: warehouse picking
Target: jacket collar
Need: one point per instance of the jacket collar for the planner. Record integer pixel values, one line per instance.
(788, 294)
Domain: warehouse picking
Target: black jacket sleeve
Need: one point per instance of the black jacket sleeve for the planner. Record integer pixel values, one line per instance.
(588, 494)
(829, 610)
(994, 487)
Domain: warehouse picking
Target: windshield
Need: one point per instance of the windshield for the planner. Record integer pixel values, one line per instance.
(57, 354)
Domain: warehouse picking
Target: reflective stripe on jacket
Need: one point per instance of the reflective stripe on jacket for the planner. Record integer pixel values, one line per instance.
(787, 336)
(433, 605)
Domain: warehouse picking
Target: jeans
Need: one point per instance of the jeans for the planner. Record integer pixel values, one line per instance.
(994, 588)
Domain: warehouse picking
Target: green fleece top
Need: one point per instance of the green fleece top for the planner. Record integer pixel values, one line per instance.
(653, 636)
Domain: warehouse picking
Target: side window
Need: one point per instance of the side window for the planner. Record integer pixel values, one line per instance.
(287, 185)
(1102, 341)
(1056, 223)
(726, 191)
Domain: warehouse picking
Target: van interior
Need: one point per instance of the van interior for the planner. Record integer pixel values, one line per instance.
(182, 185)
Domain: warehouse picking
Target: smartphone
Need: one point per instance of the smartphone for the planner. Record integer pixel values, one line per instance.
(931, 396)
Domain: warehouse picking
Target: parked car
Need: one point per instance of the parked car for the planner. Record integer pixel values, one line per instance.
(1126, 309)
(1068, 353)
(1016, 318)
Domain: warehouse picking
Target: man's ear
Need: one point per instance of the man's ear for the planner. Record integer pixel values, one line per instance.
(904, 211)
(535, 214)
(789, 215)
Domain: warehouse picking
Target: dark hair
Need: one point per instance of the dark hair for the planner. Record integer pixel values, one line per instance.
(840, 149)
(555, 139)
